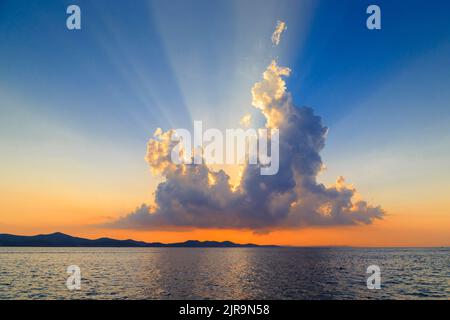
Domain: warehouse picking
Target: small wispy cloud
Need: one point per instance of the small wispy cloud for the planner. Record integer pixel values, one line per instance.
(276, 36)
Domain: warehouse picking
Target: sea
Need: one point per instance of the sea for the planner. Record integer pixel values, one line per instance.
(224, 273)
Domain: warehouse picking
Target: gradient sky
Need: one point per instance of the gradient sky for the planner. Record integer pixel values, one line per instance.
(77, 107)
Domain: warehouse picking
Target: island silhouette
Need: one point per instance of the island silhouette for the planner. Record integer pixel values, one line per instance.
(59, 239)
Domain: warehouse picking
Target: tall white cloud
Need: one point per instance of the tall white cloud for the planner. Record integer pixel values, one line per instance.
(196, 196)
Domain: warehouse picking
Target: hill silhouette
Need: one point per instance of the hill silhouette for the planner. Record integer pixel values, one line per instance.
(59, 239)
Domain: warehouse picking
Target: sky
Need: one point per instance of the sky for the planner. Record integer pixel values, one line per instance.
(78, 107)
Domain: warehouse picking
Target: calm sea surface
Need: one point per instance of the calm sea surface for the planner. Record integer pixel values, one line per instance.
(224, 273)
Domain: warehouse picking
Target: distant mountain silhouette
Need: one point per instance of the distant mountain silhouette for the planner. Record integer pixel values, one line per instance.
(59, 239)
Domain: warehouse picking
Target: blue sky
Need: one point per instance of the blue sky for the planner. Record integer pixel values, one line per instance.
(96, 95)
(159, 62)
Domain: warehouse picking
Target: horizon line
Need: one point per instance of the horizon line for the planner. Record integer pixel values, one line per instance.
(219, 241)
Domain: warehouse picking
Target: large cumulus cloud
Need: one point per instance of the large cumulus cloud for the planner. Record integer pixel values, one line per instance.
(196, 196)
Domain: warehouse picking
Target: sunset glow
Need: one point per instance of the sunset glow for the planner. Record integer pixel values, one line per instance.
(85, 123)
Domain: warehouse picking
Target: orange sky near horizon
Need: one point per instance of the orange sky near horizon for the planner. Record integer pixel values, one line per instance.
(410, 230)
(45, 206)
